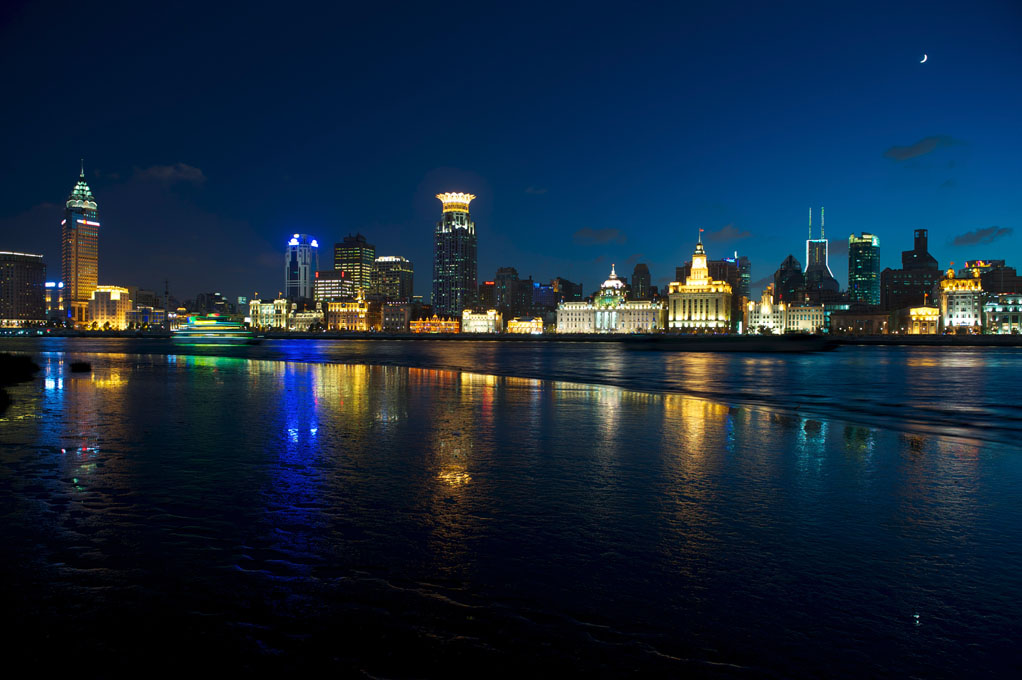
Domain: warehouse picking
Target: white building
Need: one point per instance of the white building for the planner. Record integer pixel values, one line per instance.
(961, 301)
(765, 316)
(805, 319)
(610, 312)
(1003, 314)
(481, 322)
(268, 313)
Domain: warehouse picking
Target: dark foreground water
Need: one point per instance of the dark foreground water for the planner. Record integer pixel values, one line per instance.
(173, 512)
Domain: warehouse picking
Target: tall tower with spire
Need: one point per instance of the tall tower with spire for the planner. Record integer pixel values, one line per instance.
(79, 250)
(454, 256)
(820, 281)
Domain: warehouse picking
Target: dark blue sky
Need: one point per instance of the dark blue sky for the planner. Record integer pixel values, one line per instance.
(592, 133)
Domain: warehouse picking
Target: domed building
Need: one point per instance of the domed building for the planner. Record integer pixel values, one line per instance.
(610, 312)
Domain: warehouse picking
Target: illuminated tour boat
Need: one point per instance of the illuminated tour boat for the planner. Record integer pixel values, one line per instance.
(214, 329)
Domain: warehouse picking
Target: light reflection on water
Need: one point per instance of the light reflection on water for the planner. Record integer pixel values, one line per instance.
(310, 496)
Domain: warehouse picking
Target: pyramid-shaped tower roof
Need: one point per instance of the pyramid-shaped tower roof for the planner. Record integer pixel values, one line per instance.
(81, 196)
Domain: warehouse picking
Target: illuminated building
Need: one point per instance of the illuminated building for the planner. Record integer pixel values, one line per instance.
(820, 283)
(701, 303)
(393, 278)
(305, 320)
(917, 320)
(268, 313)
(641, 282)
(744, 278)
(481, 322)
(543, 297)
(109, 307)
(1003, 314)
(79, 250)
(864, 269)
(356, 257)
(55, 301)
(22, 289)
(359, 315)
(961, 302)
(300, 266)
(140, 297)
(805, 319)
(913, 284)
(434, 324)
(995, 276)
(610, 312)
(765, 316)
(526, 326)
(454, 256)
(332, 284)
(725, 269)
(396, 317)
(566, 291)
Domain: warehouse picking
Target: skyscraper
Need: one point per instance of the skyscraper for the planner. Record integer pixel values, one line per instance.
(914, 283)
(356, 257)
(393, 278)
(641, 282)
(79, 250)
(820, 282)
(454, 256)
(22, 288)
(864, 269)
(300, 265)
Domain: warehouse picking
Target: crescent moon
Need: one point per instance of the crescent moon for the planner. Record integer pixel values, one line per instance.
(924, 59)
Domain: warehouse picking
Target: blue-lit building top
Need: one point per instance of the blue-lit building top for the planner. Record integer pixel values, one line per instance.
(300, 266)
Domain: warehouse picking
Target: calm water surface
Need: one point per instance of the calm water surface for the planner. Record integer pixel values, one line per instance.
(406, 509)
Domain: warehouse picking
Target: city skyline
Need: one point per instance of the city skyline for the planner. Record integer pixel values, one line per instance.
(614, 168)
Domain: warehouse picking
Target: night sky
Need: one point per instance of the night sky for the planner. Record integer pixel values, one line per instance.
(591, 133)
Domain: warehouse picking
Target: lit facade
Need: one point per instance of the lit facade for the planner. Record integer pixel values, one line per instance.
(610, 312)
(1003, 314)
(481, 322)
(359, 315)
(356, 257)
(55, 301)
(526, 326)
(766, 316)
(805, 319)
(22, 289)
(268, 313)
(434, 324)
(332, 284)
(79, 251)
(918, 320)
(393, 278)
(396, 317)
(864, 269)
(144, 316)
(305, 320)
(701, 303)
(109, 307)
(454, 256)
(300, 265)
(961, 301)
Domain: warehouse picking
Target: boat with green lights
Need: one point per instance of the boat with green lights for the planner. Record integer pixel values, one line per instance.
(214, 329)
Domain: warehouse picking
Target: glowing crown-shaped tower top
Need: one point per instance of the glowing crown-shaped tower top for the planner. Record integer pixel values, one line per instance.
(455, 202)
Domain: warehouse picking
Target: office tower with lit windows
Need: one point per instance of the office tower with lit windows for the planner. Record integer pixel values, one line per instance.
(393, 278)
(864, 269)
(355, 256)
(454, 257)
(300, 266)
(22, 289)
(79, 250)
(913, 285)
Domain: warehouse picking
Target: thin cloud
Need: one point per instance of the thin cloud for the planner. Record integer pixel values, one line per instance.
(535, 191)
(948, 184)
(766, 280)
(633, 259)
(981, 236)
(595, 237)
(729, 232)
(920, 148)
(178, 172)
